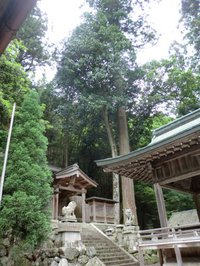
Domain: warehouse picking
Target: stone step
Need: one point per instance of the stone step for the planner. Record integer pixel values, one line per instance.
(112, 255)
(92, 238)
(95, 240)
(130, 264)
(110, 250)
(99, 243)
(109, 258)
(101, 246)
(118, 262)
(107, 251)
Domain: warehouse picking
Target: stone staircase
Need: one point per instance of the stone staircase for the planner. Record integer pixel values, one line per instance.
(108, 252)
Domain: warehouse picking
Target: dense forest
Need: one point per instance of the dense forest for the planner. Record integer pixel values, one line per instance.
(101, 103)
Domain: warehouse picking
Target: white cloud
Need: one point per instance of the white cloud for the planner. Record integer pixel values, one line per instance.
(63, 16)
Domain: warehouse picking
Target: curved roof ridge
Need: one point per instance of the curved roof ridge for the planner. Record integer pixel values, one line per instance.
(176, 127)
(177, 122)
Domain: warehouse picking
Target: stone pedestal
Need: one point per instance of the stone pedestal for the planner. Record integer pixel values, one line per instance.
(70, 237)
(129, 235)
(110, 232)
(119, 229)
(54, 224)
(69, 233)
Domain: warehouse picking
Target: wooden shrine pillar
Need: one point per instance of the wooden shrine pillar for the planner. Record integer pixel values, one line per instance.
(53, 206)
(197, 203)
(94, 210)
(83, 205)
(161, 205)
(104, 213)
(55, 202)
(56, 198)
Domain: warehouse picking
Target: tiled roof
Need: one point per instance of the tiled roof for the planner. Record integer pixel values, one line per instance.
(176, 127)
(164, 136)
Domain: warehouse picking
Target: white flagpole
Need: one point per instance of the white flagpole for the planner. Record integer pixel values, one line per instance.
(6, 152)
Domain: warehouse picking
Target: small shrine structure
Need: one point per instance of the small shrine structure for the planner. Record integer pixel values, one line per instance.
(171, 160)
(101, 210)
(69, 182)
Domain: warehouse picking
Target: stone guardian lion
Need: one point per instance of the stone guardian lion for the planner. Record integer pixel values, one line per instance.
(68, 211)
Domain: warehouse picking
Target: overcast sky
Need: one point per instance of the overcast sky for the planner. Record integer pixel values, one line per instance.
(65, 15)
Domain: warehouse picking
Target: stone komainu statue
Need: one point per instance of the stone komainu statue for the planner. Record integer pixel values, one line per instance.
(68, 211)
(130, 218)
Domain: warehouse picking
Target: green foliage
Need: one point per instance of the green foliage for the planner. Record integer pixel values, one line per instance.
(146, 206)
(160, 120)
(22, 212)
(13, 80)
(93, 63)
(74, 129)
(128, 16)
(32, 35)
(14, 84)
(99, 59)
(142, 126)
(177, 201)
(98, 64)
(187, 52)
(191, 20)
(170, 86)
(27, 192)
(188, 92)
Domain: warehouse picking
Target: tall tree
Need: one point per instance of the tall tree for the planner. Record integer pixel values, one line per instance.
(187, 52)
(191, 20)
(35, 52)
(24, 211)
(170, 86)
(14, 84)
(98, 64)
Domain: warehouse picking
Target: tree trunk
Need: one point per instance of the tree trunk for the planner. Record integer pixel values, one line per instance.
(66, 150)
(128, 194)
(111, 140)
(113, 146)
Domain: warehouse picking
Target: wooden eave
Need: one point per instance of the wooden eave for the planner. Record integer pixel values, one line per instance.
(12, 15)
(74, 177)
(141, 160)
(143, 164)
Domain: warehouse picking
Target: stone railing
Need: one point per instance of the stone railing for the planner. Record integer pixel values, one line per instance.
(125, 236)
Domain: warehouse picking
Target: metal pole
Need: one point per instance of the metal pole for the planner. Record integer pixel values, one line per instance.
(6, 152)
